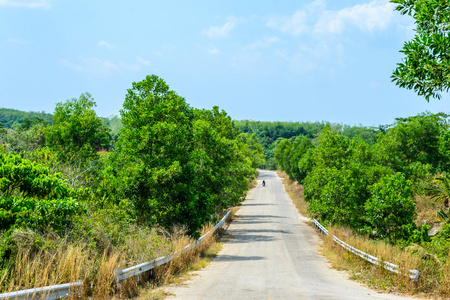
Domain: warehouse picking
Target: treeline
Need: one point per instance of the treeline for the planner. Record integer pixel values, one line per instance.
(171, 165)
(20, 121)
(375, 188)
(16, 119)
(270, 133)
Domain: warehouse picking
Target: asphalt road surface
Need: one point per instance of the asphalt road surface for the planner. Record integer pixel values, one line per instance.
(272, 254)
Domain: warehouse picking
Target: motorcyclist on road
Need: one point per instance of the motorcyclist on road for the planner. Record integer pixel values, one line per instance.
(264, 183)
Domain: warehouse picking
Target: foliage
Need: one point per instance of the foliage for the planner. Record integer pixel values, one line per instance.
(439, 189)
(175, 164)
(269, 134)
(282, 154)
(37, 214)
(154, 146)
(12, 118)
(253, 149)
(443, 216)
(24, 140)
(114, 124)
(390, 209)
(77, 133)
(426, 64)
(440, 244)
(367, 134)
(288, 155)
(28, 123)
(21, 177)
(337, 184)
(413, 139)
(32, 198)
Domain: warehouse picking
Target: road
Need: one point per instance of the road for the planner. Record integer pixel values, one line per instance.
(272, 254)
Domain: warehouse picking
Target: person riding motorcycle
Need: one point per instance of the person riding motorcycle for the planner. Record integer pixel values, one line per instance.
(264, 183)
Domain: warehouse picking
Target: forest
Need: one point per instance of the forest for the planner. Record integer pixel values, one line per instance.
(78, 184)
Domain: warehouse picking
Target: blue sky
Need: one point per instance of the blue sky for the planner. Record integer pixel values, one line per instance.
(313, 60)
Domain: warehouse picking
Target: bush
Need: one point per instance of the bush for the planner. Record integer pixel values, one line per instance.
(390, 209)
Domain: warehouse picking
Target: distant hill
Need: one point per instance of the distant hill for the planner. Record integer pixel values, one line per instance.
(12, 118)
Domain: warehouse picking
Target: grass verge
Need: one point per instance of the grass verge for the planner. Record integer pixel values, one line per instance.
(154, 290)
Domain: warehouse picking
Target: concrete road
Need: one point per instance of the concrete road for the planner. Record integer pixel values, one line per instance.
(272, 254)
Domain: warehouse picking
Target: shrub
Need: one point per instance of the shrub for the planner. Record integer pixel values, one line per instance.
(390, 209)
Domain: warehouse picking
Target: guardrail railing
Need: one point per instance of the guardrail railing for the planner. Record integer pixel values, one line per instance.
(147, 266)
(413, 274)
(62, 291)
(52, 292)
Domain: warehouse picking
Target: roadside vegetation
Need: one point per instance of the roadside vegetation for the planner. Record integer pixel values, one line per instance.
(81, 196)
(389, 198)
(269, 134)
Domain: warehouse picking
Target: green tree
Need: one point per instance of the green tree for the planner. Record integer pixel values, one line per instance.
(282, 155)
(413, 139)
(390, 210)
(253, 149)
(31, 197)
(425, 68)
(299, 149)
(336, 186)
(153, 151)
(175, 164)
(77, 133)
(28, 123)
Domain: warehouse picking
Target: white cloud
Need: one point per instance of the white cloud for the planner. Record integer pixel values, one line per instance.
(316, 18)
(252, 57)
(26, 3)
(267, 41)
(92, 65)
(70, 65)
(296, 24)
(221, 31)
(375, 15)
(18, 41)
(140, 62)
(213, 51)
(97, 66)
(105, 44)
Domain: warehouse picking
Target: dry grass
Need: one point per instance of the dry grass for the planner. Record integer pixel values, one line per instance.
(105, 278)
(361, 270)
(295, 192)
(176, 270)
(67, 264)
(434, 278)
(44, 268)
(253, 183)
(70, 263)
(426, 210)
